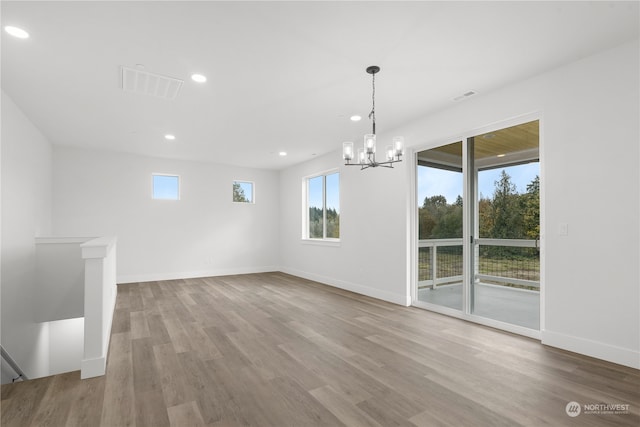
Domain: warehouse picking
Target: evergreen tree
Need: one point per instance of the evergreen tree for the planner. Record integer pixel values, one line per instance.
(485, 217)
(315, 222)
(531, 209)
(333, 224)
(238, 193)
(507, 217)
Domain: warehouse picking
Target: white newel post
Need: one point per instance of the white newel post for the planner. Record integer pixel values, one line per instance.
(100, 293)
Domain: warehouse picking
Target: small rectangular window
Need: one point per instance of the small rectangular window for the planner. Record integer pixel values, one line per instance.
(243, 192)
(322, 206)
(166, 187)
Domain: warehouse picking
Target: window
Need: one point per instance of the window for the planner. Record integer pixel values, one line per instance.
(166, 187)
(322, 207)
(243, 192)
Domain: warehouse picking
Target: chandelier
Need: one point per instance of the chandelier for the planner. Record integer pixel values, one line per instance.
(367, 154)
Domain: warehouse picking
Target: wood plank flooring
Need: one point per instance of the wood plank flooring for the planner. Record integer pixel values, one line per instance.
(275, 350)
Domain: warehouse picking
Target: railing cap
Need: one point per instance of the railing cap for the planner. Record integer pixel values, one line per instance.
(49, 240)
(98, 248)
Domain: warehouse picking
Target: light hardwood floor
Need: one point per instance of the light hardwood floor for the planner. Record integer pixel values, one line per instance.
(276, 350)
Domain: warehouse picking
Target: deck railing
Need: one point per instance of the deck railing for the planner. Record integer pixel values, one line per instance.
(508, 262)
(439, 261)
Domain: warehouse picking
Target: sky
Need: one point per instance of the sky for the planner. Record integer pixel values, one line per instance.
(333, 191)
(247, 187)
(433, 182)
(166, 187)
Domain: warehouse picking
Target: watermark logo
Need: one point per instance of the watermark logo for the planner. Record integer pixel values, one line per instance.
(606, 408)
(573, 409)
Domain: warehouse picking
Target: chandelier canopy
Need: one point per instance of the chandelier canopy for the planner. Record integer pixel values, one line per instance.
(366, 157)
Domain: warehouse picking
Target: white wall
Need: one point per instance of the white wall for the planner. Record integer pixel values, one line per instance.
(204, 233)
(590, 181)
(66, 339)
(26, 213)
(371, 257)
(59, 279)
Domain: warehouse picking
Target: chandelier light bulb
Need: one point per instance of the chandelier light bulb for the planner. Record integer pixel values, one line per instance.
(347, 151)
(370, 143)
(390, 152)
(398, 145)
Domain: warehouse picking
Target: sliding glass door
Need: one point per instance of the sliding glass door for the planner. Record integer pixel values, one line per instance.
(440, 226)
(479, 227)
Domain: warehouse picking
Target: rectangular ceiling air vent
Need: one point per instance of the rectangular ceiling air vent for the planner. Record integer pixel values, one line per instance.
(146, 83)
(464, 95)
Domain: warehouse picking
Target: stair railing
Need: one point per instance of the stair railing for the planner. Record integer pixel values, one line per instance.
(7, 357)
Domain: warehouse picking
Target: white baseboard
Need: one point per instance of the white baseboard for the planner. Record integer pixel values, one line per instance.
(90, 368)
(404, 300)
(135, 278)
(599, 350)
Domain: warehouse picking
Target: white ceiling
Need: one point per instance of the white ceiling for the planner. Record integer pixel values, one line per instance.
(281, 75)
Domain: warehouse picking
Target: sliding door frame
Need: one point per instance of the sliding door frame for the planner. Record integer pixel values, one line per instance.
(470, 227)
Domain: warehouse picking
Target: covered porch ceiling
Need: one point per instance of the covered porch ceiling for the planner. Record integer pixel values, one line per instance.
(508, 146)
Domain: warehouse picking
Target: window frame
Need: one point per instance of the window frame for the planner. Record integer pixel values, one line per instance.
(328, 241)
(253, 191)
(172, 175)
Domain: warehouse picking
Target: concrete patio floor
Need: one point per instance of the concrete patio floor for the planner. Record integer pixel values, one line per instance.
(516, 306)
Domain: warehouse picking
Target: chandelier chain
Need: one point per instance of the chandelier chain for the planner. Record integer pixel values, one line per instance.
(372, 114)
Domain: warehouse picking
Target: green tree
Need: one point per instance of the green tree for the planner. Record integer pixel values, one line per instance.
(315, 222)
(507, 217)
(440, 220)
(485, 217)
(238, 194)
(435, 202)
(333, 224)
(425, 224)
(531, 209)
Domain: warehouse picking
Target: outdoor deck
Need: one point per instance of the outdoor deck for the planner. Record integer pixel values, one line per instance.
(511, 305)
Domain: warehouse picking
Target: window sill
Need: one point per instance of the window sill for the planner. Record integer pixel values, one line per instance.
(321, 242)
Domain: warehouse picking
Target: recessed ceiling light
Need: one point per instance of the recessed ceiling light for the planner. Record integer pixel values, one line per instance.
(198, 78)
(16, 32)
(355, 118)
(501, 155)
(282, 153)
(170, 137)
